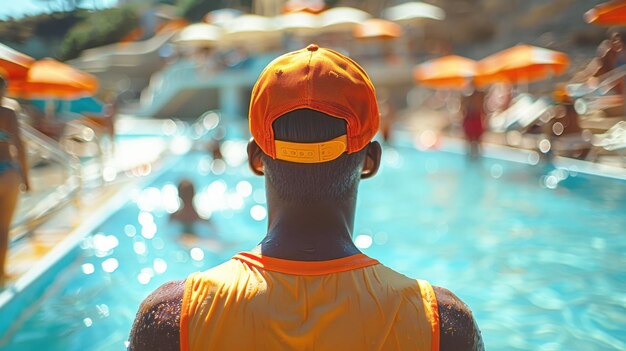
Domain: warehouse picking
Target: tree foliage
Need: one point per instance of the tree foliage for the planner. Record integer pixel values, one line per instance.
(98, 28)
(45, 25)
(194, 10)
(61, 5)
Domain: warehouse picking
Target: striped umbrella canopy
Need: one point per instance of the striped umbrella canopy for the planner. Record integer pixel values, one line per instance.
(413, 12)
(51, 79)
(299, 22)
(221, 16)
(251, 28)
(377, 28)
(612, 13)
(14, 64)
(199, 34)
(522, 64)
(447, 72)
(342, 19)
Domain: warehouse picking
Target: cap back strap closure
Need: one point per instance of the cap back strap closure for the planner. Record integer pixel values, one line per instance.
(311, 152)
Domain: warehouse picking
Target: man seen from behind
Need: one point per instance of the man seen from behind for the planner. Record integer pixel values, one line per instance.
(306, 286)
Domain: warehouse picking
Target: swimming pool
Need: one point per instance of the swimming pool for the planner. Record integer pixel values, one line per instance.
(538, 254)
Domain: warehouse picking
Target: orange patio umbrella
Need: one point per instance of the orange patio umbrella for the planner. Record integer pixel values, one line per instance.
(447, 72)
(13, 64)
(377, 28)
(612, 13)
(51, 79)
(522, 64)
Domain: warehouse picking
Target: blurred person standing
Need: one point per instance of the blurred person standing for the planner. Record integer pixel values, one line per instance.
(387, 110)
(111, 106)
(13, 173)
(473, 107)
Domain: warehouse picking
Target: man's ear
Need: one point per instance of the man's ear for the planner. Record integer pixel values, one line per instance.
(255, 155)
(372, 160)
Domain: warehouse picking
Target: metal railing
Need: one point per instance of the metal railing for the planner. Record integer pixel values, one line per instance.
(43, 149)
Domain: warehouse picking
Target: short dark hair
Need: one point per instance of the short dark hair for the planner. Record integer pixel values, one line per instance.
(335, 180)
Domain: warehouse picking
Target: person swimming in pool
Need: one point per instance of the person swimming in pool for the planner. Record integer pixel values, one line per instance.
(13, 173)
(186, 214)
(306, 286)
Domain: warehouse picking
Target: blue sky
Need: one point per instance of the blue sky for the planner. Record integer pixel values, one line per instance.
(20, 8)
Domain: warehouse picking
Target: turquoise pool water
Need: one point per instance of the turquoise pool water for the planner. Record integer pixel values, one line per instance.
(538, 254)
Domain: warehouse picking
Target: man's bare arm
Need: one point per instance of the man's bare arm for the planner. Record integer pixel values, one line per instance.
(157, 324)
(458, 329)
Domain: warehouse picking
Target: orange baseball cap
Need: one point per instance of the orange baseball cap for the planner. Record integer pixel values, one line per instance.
(318, 79)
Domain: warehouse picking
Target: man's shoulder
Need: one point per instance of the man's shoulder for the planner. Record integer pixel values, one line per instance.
(157, 323)
(458, 328)
(166, 293)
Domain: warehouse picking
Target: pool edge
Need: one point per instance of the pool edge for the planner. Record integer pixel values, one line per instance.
(517, 155)
(30, 287)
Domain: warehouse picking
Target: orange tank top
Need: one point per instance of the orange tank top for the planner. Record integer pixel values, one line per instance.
(255, 302)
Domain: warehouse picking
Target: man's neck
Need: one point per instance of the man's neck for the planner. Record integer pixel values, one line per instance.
(309, 232)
